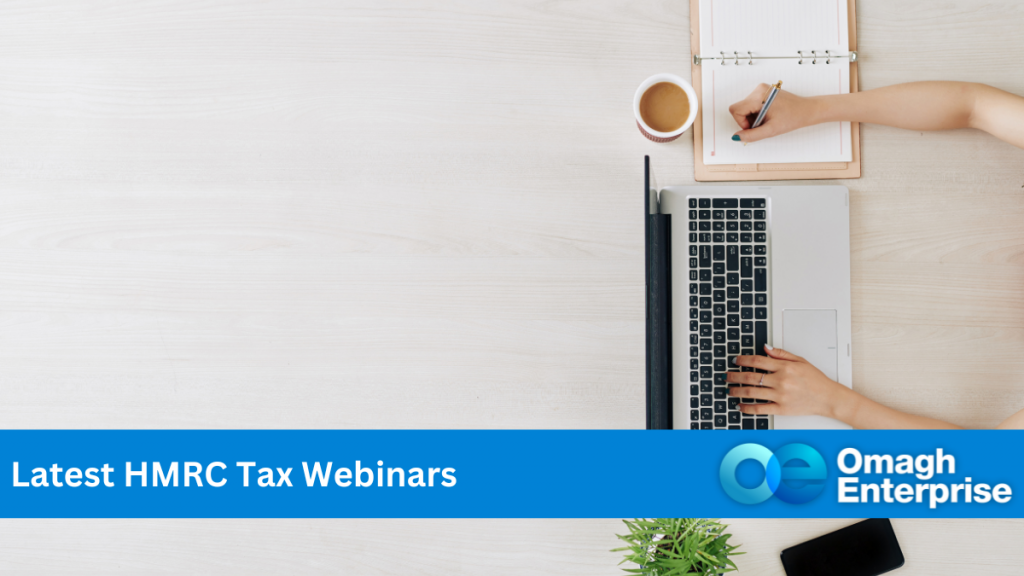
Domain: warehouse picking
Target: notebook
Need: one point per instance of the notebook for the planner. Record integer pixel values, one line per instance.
(808, 45)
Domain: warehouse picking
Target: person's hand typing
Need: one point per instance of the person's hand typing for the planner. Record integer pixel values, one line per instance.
(793, 386)
(787, 113)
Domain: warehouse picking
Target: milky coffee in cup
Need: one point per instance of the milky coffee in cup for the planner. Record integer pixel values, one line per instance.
(665, 107)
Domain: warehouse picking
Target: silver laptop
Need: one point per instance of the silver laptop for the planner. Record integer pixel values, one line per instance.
(729, 269)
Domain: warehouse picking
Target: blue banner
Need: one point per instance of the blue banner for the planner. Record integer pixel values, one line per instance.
(509, 474)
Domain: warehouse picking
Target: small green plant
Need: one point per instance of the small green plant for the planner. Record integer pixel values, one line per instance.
(677, 547)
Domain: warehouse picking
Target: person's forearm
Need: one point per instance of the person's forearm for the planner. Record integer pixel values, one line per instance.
(929, 106)
(862, 413)
(1015, 422)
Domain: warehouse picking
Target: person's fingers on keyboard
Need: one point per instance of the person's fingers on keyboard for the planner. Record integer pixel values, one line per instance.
(756, 392)
(760, 362)
(760, 409)
(781, 354)
(751, 378)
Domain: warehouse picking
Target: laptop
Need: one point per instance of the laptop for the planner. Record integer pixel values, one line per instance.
(729, 269)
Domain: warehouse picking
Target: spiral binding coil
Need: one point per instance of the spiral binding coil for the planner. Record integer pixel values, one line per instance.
(735, 57)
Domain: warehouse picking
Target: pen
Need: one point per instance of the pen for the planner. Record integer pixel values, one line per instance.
(773, 91)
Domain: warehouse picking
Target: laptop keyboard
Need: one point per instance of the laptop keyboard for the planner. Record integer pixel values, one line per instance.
(729, 304)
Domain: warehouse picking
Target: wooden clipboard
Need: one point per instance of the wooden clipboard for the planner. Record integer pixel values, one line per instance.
(738, 172)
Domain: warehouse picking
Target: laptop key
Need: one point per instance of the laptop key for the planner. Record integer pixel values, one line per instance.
(760, 279)
(693, 202)
(761, 299)
(762, 423)
(705, 400)
(706, 426)
(731, 226)
(745, 250)
(694, 414)
(724, 203)
(733, 348)
(760, 337)
(705, 386)
(705, 202)
(721, 393)
(760, 226)
(731, 237)
(720, 407)
(734, 405)
(732, 261)
(761, 313)
(694, 402)
(731, 214)
(720, 421)
(746, 269)
(758, 236)
(694, 389)
(734, 417)
(694, 426)
(759, 215)
(732, 306)
(705, 414)
(748, 424)
(760, 250)
(718, 226)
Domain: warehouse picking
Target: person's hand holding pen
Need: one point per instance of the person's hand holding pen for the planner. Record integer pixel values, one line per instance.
(787, 113)
(914, 106)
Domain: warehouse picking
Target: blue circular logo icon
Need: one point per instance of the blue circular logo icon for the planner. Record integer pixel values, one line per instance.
(784, 476)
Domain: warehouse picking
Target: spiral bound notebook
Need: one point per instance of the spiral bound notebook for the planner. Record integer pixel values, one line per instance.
(807, 44)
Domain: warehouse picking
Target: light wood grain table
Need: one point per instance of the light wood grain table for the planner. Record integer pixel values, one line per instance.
(398, 214)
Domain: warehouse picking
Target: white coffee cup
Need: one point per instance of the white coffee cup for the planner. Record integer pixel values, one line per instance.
(651, 133)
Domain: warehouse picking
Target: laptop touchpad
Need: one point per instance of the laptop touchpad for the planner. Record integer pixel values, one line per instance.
(812, 334)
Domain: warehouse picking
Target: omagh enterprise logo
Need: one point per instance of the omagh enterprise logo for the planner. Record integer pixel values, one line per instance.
(795, 473)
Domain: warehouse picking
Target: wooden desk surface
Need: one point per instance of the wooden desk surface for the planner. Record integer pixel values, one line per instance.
(426, 214)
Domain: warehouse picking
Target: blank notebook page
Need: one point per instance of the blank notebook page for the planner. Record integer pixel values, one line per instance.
(773, 28)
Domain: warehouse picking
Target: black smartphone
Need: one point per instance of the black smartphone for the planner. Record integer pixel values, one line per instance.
(867, 548)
